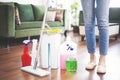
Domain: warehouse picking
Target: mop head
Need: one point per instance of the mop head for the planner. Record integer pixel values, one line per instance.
(37, 71)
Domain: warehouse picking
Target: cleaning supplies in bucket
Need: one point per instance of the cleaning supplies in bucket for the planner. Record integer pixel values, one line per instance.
(54, 39)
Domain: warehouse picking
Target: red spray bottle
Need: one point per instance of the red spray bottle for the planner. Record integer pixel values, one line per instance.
(26, 58)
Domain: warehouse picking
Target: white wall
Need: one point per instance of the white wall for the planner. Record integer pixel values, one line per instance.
(24, 1)
(114, 3)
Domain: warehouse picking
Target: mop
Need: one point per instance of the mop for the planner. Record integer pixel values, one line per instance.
(34, 69)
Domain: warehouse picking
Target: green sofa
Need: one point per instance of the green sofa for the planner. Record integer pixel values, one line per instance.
(114, 23)
(114, 16)
(31, 17)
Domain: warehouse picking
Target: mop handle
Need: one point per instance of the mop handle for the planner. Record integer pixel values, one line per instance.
(44, 18)
(42, 27)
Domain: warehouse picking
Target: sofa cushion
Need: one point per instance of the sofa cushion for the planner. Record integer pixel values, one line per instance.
(17, 17)
(28, 25)
(50, 16)
(38, 24)
(39, 11)
(59, 15)
(25, 12)
(55, 24)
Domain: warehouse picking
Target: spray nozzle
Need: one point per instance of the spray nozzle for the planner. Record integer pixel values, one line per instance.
(26, 42)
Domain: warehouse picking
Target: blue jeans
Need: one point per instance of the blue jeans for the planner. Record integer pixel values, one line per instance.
(99, 13)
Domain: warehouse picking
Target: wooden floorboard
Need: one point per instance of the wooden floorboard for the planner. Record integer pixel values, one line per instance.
(10, 63)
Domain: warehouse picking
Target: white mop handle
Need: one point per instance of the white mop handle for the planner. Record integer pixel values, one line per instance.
(43, 26)
(44, 18)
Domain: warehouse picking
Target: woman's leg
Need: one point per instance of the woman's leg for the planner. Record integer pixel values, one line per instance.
(102, 15)
(89, 19)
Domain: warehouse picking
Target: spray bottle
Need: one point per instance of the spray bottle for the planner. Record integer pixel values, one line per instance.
(68, 50)
(26, 58)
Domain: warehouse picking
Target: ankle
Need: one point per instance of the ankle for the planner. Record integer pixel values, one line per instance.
(102, 60)
(92, 58)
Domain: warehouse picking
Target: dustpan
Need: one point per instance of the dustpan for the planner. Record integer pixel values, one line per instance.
(34, 69)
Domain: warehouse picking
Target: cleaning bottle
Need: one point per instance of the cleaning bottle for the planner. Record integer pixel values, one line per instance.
(26, 58)
(68, 49)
